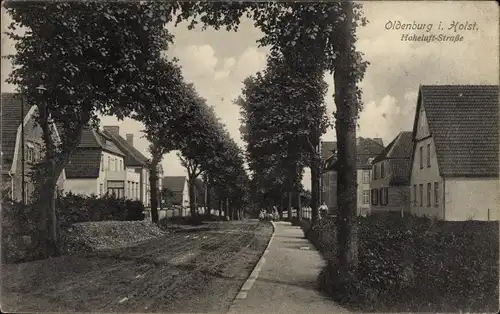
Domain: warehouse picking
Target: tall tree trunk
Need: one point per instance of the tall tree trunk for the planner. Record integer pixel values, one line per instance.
(282, 205)
(153, 180)
(299, 205)
(314, 188)
(345, 126)
(228, 211)
(209, 196)
(289, 205)
(192, 194)
(46, 201)
(220, 206)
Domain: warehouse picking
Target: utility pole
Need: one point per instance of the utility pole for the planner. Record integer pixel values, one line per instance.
(23, 192)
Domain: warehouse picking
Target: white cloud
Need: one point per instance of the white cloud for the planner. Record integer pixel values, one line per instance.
(217, 63)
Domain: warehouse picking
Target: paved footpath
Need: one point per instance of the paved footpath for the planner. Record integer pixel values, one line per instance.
(286, 282)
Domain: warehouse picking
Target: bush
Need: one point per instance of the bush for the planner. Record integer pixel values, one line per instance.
(19, 242)
(457, 262)
(72, 208)
(19, 222)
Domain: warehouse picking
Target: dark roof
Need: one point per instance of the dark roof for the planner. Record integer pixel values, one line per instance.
(133, 157)
(103, 141)
(400, 147)
(366, 148)
(174, 184)
(463, 120)
(10, 120)
(327, 149)
(84, 163)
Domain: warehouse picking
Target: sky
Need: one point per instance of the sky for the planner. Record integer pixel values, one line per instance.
(218, 61)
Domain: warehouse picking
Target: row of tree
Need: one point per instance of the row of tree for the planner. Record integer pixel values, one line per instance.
(308, 38)
(284, 116)
(78, 60)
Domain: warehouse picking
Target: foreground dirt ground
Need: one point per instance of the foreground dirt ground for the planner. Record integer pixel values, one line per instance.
(197, 270)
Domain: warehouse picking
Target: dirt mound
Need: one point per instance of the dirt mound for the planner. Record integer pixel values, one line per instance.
(102, 235)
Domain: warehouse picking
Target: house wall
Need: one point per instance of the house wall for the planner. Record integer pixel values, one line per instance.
(470, 198)
(399, 196)
(428, 174)
(82, 186)
(32, 141)
(378, 182)
(363, 207)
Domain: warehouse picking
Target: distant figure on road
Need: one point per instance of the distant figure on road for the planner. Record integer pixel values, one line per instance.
(323, 210)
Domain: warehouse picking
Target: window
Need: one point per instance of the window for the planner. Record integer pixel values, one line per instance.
(428, 155)
(436, 194)
(30, 152)
(26, 192)
(383, 196)
(38, 151)
(101, 189)
(366, 196)
(121, 165)
(382, 170)
(374, 197)
(128, 189)
(109, 163)
(366, 176)
(375, 172)
(429, 193)
(102, 163)
(421, 152)
(415, 194)
(421, 192)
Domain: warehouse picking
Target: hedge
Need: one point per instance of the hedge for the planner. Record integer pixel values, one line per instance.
(415, 264)
(19, 223)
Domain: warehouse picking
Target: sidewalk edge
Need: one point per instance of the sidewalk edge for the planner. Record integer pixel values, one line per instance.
(247, 285)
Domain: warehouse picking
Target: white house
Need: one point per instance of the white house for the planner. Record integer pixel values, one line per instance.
(455, 164)
(177, 194)
(11, 146)
(97, 167)
(134, 161)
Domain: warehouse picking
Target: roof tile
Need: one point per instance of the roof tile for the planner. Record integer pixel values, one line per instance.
(463, 120)
(10, 120)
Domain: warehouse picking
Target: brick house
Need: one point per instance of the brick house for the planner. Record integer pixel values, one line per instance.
(367, 149)
(455, 164)
(390, 184)
(11, 140)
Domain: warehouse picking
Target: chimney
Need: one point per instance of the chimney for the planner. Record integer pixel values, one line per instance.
(379, 140)
(112, 129)
(130, 139)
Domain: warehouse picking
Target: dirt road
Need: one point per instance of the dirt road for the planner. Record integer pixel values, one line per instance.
(197, 270)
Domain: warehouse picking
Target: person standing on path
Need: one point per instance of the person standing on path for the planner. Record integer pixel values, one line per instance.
(323, 210)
